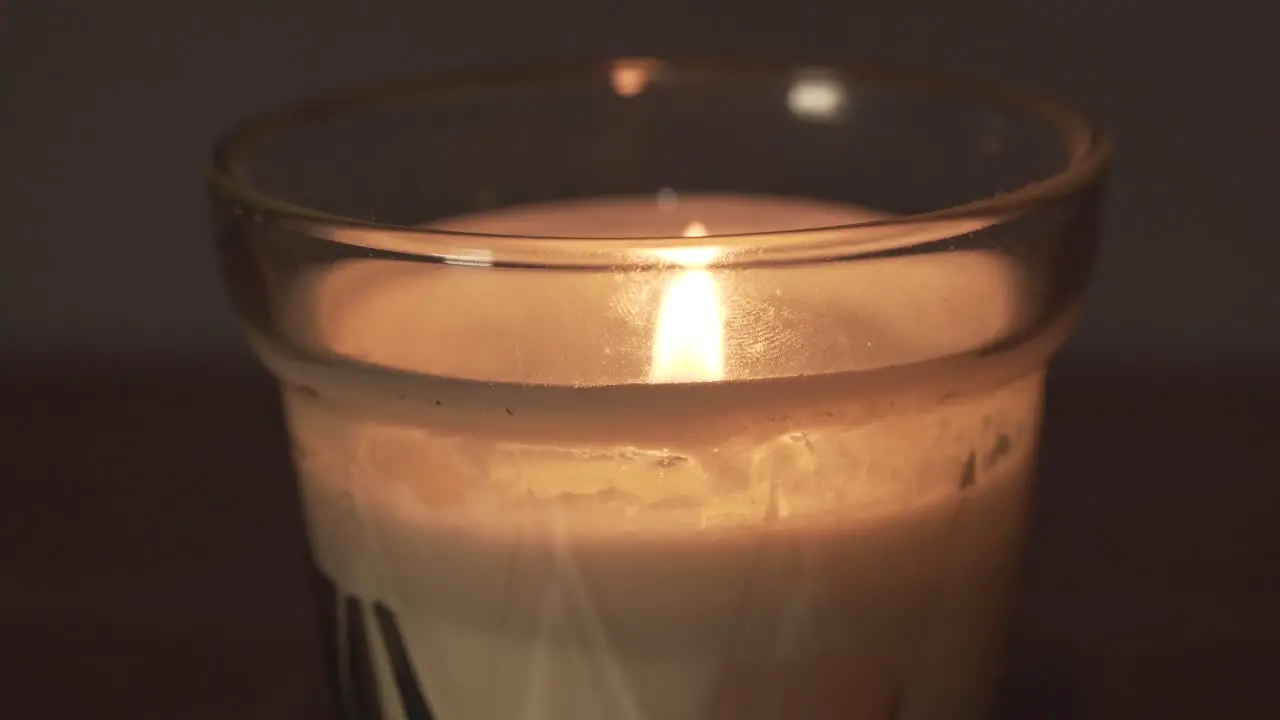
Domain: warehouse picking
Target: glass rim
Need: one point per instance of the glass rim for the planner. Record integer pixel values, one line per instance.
(1087, 147)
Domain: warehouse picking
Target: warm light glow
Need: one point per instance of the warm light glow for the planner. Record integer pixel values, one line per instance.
(690, 257)
(688, 343)
(629, 76)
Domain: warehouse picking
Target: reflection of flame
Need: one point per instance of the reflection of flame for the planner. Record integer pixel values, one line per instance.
(667, 199)
(695, 229)
(688, 342)
(629, 76)
(817, 96)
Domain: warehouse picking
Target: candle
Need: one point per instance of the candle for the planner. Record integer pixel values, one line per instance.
(692, 506)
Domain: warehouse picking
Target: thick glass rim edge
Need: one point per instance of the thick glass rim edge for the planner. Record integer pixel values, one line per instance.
(1087, 146)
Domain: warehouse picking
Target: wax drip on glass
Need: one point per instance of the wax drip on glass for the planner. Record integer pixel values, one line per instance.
(688, 341)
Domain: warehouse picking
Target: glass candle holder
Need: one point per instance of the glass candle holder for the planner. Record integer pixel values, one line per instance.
(662, 389)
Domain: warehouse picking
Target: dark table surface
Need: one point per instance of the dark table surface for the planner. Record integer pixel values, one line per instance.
(153, 566)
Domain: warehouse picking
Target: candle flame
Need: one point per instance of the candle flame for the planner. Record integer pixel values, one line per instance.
(688, 342)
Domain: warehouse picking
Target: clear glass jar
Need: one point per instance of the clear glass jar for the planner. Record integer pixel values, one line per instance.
(665, 389)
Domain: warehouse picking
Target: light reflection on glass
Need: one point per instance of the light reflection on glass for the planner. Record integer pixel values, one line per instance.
(817, 96)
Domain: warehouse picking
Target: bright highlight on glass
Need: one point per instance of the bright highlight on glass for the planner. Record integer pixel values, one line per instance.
(817, 96)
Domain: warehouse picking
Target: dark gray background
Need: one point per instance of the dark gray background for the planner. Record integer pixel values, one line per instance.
(108, 110)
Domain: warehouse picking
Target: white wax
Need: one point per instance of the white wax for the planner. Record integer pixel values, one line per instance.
(566, 327)
(805, 567)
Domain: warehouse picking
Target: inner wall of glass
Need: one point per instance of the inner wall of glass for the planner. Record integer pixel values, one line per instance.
(971, 287)
(814, 133)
